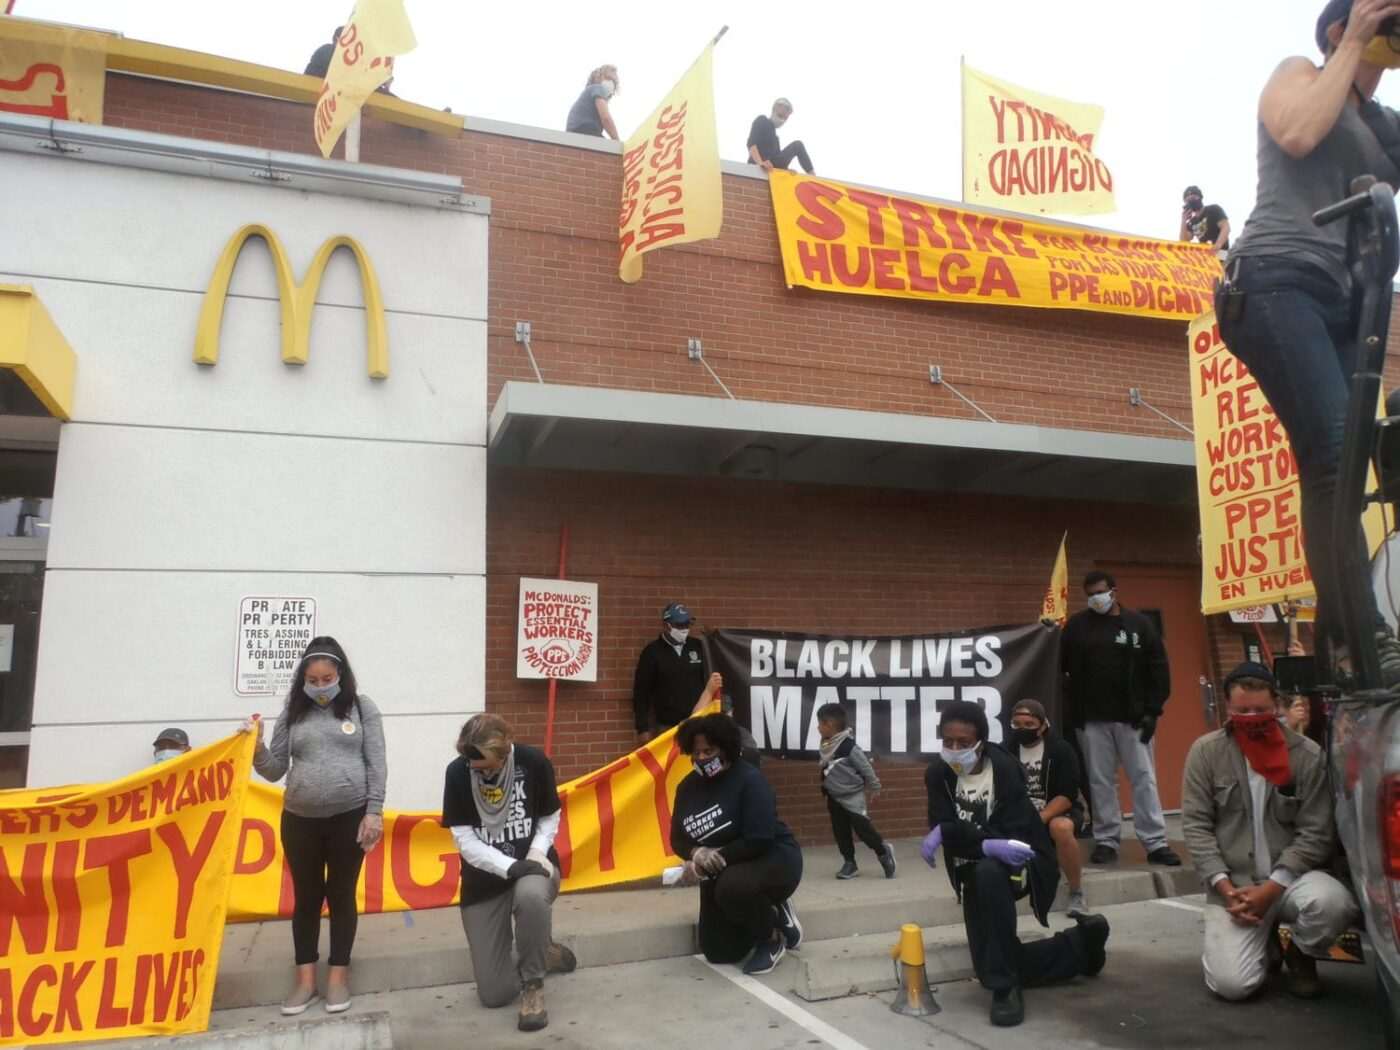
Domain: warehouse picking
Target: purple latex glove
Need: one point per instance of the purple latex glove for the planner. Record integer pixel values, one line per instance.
(1010, 852)
(929, 849)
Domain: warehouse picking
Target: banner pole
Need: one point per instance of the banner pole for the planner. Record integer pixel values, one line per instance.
(352, 140)
(554, 682)
(719, 35)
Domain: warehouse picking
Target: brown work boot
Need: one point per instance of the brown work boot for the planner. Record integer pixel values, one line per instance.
(533, 1015)
(559, 958)
(1301, 979)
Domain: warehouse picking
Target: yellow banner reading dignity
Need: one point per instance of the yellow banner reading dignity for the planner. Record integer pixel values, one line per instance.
(841, 238)
(1029, 152)
(670, 172)
(112, 899)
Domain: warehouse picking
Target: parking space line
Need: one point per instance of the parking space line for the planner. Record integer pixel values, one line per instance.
(1170, 902)
(833, 1037)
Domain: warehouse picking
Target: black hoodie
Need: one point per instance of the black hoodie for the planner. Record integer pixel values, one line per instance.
(1012, 817)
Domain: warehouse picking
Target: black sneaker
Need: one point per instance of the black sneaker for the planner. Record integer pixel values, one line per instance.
(1093, 936)
(788, 925)
(765, 958)
(1103, 855)
(1008, 1008)
(1165, 856)
(887, 860)
(848, 870)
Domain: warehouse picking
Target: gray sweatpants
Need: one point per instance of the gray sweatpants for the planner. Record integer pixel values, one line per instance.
(1106, 745)
(495, 947)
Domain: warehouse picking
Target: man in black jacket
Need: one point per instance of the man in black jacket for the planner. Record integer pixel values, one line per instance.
(671, 675)
(763, 146)
(1117, 682)
(998, 851)
(1052, 780)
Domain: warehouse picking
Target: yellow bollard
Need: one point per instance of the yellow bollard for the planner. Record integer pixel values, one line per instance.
(913, 998)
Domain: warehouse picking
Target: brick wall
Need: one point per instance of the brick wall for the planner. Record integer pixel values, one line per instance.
(750, 554)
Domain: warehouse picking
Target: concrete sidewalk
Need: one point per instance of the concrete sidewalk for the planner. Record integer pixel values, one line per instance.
(425, 949)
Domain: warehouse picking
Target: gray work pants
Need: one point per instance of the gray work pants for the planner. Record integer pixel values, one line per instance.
(1106, 745)
(504, 958)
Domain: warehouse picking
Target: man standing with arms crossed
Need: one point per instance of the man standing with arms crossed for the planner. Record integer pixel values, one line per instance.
(1117, 682)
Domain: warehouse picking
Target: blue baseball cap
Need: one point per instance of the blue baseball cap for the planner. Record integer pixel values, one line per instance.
(1335, 11)
(676, 614)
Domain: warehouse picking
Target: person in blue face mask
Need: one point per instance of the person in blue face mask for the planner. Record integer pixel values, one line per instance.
(725, 826)
(998, 850)
(172, 743)
(329, 744)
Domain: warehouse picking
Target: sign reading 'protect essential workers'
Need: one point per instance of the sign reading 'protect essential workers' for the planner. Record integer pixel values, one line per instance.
(842, 238)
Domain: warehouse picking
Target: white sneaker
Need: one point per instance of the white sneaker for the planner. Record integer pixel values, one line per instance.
(1077, 904)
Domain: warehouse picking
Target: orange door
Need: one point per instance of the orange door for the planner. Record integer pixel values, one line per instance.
(1173, 596)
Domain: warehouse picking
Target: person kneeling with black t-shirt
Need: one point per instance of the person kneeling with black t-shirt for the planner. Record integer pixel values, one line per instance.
(725, 827)
(998, 851)
(501, 803)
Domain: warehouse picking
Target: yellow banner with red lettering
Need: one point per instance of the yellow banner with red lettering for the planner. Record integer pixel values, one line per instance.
(1247, 485)
(377, 32)
(51, 71)
(837, 237)
(671, 190)
(112, 899)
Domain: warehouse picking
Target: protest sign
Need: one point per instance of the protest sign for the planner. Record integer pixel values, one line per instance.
(557, 632)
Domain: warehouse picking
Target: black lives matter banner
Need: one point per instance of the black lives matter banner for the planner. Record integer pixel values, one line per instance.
(892, 689)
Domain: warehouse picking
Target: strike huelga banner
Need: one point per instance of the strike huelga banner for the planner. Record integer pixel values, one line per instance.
(112, 899)
(671, 192)
(1029, 152)
(892, 689)
(51, 71)
(616, 828)
(378, 30)
(837, 237)
(1247, 485)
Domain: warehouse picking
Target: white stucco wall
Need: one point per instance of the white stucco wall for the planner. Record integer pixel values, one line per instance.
(181, 489)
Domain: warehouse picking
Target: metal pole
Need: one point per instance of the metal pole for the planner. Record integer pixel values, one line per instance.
(554, 682)
(352, 140)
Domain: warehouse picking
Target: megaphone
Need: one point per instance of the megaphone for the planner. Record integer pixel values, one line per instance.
(913, 997)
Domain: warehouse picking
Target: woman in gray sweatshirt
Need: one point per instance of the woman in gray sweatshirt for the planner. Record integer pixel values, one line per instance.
(329, 744)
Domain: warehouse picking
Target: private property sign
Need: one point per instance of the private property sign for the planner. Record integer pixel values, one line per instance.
(272, 635)
(558, 632)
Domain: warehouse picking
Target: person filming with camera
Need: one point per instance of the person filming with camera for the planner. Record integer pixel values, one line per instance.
(1285, 307)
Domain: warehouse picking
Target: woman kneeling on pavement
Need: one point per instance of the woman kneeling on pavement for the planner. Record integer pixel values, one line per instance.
(998, 851)
(501, 803)
(725, 827)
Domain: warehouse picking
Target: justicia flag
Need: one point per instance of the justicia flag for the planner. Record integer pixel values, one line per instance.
(1055, 605)
(670, 172)
(378, 31)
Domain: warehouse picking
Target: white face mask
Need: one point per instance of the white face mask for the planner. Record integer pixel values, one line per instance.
(679, 635)
(165, 753)
(961, 761)
(779, 121)
(608, 86)
(1101, 603)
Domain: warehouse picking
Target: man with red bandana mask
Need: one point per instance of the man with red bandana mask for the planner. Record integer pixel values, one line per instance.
(1257, 818)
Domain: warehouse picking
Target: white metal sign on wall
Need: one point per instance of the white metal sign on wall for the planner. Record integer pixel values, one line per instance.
(272, 635)
(558, 632)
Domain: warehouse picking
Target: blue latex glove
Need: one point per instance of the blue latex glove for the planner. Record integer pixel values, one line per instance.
(929, 849)
(1013, 854)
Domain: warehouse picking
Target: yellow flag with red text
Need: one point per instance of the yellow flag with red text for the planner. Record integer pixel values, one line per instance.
(378, 31)
(1028, 152)
(52, 71)
(1056, 604)
(671, 187)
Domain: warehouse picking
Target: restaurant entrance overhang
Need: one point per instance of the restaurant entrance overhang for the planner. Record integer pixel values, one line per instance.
(37, 366)
(596, 428)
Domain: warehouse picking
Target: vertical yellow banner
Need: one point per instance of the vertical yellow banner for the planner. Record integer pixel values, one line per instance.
(1029, 152)
(671, 192)
(377, 31)
(1055, 606)
(49, 71)
(113, 896)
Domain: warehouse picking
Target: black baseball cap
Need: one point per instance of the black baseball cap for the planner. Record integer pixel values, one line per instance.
(1250, 669)
(677, 615)
(1335, 11)
(172, 736)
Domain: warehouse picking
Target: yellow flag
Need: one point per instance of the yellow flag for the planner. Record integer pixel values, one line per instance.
(670, 172)
(1028, 152)
(52, 71)
(377, 31)
(1056, 604)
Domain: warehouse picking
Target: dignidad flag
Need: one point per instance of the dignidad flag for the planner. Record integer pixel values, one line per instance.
(378, 31)
(1055, 605)
(113, 898)
(671, 190)
(1029, 152)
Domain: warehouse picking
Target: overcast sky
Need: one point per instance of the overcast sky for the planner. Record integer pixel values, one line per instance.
(875, 85)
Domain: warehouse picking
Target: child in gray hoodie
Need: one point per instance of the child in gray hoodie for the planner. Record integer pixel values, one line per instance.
(846, 776)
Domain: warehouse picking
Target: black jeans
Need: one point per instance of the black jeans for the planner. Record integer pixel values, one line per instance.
(1000, 958)
(1297, 336)
(325, 861)
(843, 822)
(792, 151)
(739, 908)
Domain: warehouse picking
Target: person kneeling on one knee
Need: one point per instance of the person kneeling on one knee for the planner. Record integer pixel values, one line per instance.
(998, 850)
(1256, 813)
(501, 803)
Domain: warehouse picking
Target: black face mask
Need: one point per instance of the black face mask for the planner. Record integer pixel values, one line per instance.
(1025, 737)
(1194, 203)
